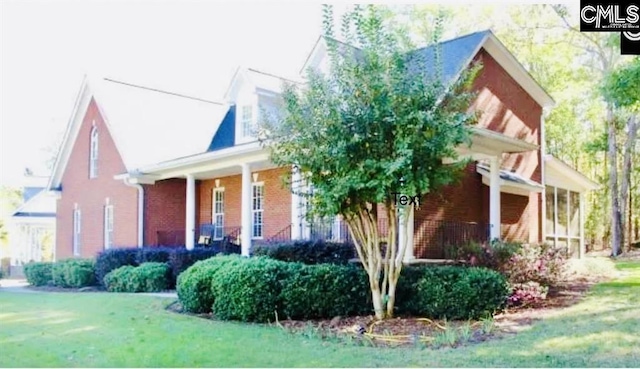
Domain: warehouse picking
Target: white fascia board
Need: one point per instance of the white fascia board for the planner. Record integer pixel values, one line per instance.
(71, 133)
(235, 151)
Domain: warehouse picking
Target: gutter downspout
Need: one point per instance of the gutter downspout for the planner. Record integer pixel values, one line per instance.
(140, 210)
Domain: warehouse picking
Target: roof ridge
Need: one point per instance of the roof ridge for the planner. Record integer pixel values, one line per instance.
(272, 75)
(450, 40)
(163, 91)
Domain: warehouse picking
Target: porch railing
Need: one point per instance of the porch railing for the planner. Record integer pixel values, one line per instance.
(432, 238)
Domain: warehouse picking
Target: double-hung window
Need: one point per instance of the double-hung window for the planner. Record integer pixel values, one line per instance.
(93, 153)
(257, 210)
(247, 120)
(108, 226)
(218, 213)
(77, 221)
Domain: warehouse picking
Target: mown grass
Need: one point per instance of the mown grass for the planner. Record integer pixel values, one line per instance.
(116, 330)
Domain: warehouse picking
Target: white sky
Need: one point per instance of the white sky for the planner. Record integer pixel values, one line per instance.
(191, 47)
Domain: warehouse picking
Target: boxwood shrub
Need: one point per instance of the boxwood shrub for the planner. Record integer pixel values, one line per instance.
(73, 273)
(38, 274)
(194, 284)
(250, 290)
(178, 258)
(112, 259)
(325, 290)
(452, 292)
(147, 277)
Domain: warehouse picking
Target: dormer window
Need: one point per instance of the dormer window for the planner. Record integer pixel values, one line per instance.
(246, 120)
(93, 153)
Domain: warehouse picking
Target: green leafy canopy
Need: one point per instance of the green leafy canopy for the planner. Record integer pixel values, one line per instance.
(379, 122)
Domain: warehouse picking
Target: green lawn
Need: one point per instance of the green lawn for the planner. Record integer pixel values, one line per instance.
(89, 330)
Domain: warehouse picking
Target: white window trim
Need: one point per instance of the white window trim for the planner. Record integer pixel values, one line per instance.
(108, 226)
(93, 152)
(214, 214)
(253, 211)
(77, 231)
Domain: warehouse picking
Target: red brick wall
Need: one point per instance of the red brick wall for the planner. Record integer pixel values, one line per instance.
(459, 202)
(277, 200)
(165, 212)
(506, 108)
(90, 194)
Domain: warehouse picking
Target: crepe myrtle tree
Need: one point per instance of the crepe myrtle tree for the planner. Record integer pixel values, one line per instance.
(379, 123)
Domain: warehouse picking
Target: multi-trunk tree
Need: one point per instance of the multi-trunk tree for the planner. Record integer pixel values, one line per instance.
(375, 126)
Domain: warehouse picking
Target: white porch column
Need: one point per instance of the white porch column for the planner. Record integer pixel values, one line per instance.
(245, 239)
(494, 198)
(190, 228)
(296, 221)
(582, 245)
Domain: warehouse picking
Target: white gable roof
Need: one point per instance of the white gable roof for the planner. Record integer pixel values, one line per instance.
(147, 125)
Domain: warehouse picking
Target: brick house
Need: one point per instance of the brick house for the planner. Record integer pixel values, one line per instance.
(139, 166)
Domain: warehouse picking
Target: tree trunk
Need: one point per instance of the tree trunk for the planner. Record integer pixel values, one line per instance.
(613, 184)
(632, 130)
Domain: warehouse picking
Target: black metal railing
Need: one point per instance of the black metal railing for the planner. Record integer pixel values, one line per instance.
(283, 235)
(432, 237)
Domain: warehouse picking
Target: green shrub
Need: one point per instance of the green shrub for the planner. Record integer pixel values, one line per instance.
(148, 277)
(194, 284)
(112, 259)
(324, 291)
(38, 274)
(308, 252)
(73, 273)
(181, 259)
(153, 277)
(454, 292)
(178, 258)
(120, 279)
(250, 290)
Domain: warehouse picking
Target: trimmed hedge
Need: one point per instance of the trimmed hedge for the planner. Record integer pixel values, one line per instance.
(38, 274)
(452, 292)
(308, 252)
(112, 259)
(194, 284)
(319, 291)
(148, 277)
(250, 290)
(255, 289)
(178, 259)
(74, 273)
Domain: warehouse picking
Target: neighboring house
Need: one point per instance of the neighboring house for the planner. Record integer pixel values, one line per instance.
(33, 224)
(140, 166)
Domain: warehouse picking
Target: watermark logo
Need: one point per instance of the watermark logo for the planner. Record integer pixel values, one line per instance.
(404, 200)
(621, 16)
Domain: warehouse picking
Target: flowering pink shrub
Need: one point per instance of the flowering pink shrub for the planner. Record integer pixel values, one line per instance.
(523, 294)
(520, 263)
(542, 263)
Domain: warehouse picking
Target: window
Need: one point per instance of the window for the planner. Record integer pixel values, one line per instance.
(247, 120)
(93, 154)
(563, 219)
(218, 213)
(108, 226)
(77, 221)
(257, 210)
